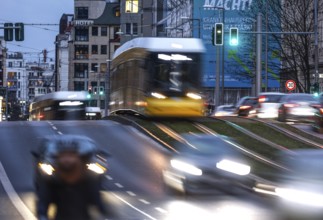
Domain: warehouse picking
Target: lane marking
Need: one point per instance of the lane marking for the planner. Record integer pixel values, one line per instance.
(60, 133)
(133, 207)
(118, 185)
(131, 193)
(161, 210)
(108, 177)
(13, 196)
(144, 201)
(54, 128)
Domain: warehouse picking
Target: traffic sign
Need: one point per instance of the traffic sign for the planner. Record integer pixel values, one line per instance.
(290, 85)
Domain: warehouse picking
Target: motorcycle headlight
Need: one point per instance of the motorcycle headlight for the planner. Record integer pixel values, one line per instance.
(97, 168)
(186, 167)
(46, 168)
(233, 167)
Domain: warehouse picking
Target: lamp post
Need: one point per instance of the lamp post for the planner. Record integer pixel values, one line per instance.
(107, 90)
(194, 19)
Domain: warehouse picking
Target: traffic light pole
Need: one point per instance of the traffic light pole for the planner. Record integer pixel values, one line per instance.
(217, 78)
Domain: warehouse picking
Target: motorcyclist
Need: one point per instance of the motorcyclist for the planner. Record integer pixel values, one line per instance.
(73, 189)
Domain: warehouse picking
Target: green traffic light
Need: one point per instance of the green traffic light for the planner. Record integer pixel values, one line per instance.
(234, 37)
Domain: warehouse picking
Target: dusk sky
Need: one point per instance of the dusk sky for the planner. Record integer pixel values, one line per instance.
(37, 38)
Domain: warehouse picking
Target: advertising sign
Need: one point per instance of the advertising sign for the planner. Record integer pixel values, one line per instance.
(238, 60)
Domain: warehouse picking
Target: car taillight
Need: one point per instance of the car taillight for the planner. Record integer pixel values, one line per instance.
(244, 107)
(262, 99)
(321, 111)
(290, 105)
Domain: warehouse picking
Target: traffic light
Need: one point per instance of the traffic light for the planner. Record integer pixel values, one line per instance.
(217, 34)
(234, 36)
(19, 31)
(8, 31)
(89, 95)
(101, 92)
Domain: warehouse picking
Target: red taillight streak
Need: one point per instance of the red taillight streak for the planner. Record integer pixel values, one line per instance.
(321, 110)
(262, 99)
(244, 107)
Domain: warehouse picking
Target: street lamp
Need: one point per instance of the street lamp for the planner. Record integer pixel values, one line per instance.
(194, 19)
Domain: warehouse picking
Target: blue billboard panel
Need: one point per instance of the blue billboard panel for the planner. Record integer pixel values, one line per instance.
(237, 62)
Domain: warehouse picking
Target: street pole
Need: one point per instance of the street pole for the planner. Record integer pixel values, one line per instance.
(258, 55)
(107, 90)
(217, 79)
(316, 53)
(6, 102)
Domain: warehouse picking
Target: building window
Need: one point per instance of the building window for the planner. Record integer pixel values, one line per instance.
(95, 31)
(81, 13)
(117, 11)
(94, 49)
(10, 64)
(79, 86)
(81, 34)
(81, 70)
(104, 31)
(135, 28)
(103, 49)
(131, 6)
(94, 67)
(81, 52)
(132, 28)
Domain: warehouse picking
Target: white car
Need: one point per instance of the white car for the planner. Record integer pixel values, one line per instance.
(269, 103)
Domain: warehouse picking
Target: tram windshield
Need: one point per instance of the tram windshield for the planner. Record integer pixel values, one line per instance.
(176, 72)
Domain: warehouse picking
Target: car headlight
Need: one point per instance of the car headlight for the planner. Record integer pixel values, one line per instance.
(97, 168)
(46, 168)
(186, 167)
(233, 167)
(301, 196)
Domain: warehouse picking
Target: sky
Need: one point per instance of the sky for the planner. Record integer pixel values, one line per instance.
(37, 38)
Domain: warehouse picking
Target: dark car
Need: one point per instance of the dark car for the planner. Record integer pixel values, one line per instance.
(51, 146)
(297, 107)
(207, 163)
(318, 117)
(246, 106)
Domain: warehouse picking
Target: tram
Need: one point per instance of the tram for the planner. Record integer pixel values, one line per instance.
(158, 77)
(63, 105)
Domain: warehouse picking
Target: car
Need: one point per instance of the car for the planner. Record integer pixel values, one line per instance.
(207, 163)
(50, 147)
(246, 106)
(269, 103)
(297, 107)
(224, 110)
(300, 186)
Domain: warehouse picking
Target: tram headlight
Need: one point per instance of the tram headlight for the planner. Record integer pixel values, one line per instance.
(194, 96)
(158, 95)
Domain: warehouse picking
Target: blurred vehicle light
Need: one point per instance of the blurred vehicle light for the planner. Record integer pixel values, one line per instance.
(233, 167)
(46, 168)
(158, 95)
(300, 196)
(193, 96)
(97, 168)
(186, 167)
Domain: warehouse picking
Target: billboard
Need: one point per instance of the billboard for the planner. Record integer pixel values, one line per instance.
(237, 62)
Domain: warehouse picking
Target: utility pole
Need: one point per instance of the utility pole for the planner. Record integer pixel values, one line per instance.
(258, 55)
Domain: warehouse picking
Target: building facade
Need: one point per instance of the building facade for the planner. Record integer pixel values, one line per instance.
(93, 41)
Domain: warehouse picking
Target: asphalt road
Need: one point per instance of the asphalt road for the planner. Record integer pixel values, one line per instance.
(134, 187)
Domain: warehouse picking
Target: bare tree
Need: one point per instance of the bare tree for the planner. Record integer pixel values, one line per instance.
(296, 19)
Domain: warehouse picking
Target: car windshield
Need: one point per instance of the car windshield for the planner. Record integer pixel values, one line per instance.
(302, 97)
(206, 146)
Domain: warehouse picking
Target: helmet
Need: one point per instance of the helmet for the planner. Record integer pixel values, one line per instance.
(52, 146)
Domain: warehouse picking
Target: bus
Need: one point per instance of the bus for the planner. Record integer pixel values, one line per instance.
(158, 77)
(63, 105)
